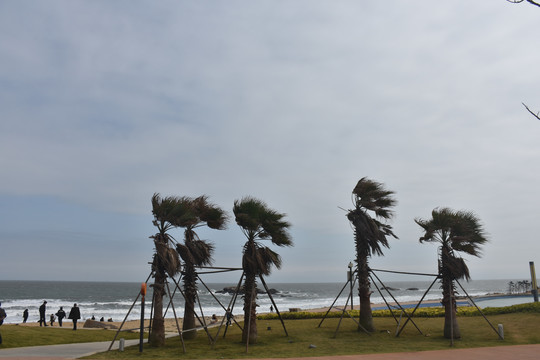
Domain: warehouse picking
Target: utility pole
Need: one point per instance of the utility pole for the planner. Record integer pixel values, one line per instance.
(350, 276)
(141, 338)
(534, 289)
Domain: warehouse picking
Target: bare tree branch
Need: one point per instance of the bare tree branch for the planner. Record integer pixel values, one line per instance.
(520, 1)
(537, 115)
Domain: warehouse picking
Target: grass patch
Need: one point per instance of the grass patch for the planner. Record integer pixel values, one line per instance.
(20, 336)
(421, 312)
(520, 328)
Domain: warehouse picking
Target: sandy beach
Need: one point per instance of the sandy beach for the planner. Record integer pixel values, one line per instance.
(131, 325)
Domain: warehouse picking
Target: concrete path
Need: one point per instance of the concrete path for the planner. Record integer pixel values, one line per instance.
(73, 351)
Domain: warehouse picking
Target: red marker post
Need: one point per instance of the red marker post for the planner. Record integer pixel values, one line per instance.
(141, 339)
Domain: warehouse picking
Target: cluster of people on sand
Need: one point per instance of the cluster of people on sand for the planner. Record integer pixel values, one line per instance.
(60, 315)
(74, 315)
(102, 319)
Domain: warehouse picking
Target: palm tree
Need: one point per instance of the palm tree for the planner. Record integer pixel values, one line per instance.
(370, 235)
(165, 262)
(521, 286)
(194, 251)
(455, 231)
(258, 222)
(527, 284)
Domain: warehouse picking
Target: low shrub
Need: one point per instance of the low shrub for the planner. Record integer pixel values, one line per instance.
(428, 312)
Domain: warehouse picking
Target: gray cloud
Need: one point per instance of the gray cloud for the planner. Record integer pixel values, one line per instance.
(103, 104)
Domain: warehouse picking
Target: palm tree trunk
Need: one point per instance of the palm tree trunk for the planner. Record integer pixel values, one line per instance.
(190, 291)
(157, 335)
(250, 310)
(451, 327)
(364, 292)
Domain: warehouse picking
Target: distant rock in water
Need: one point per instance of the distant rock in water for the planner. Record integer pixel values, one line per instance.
(413, 289)
(227, 290)
(232, 289)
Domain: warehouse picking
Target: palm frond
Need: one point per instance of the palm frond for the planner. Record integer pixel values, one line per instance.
(201, 252)
(370, 234)
(212, 215)
(259, 222)
(268, 258)
(457, 231)
(462, 229)
(259, 259)
(184, 214)
(275, 228)
(255, 217)
(372, 195)
(194, 251)
(167, 258)
(455, 266)
(184, 253)
(247, 212)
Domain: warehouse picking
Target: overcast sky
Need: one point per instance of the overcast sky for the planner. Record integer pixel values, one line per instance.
(104, 103)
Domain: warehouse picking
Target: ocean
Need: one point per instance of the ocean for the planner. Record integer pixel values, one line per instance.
(114, 299)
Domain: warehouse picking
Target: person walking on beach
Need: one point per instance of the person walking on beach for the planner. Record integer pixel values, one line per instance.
(25, 315)
(229, 316)
(2, 317)
(52, 319)
(42, 310)
(61, 314)
(74, 314)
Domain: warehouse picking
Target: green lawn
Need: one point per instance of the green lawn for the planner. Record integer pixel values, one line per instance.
(521, 328)
(19, 336)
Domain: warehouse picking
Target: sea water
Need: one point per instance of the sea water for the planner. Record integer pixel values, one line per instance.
(120, 300)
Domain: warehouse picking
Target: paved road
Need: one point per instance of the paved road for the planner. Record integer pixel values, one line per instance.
(73, 351)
